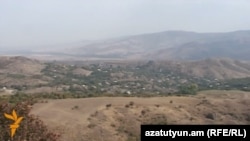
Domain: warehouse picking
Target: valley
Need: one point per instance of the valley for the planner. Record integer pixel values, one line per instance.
(58, 79)
(112, 98)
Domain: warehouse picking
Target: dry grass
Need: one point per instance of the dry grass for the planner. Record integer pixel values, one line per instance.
(94, 121)
(20, 65)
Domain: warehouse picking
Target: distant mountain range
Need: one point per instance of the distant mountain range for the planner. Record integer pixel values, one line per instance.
(168, 45)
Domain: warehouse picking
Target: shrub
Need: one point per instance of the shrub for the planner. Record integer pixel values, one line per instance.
(157, 105)
(209, 116)
(108, 105)
(143, 112)
(31, 128)
(91, 125)
(131, 103)
(127, 106)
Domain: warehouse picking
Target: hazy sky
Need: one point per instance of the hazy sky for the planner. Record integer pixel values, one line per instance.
(31, 23)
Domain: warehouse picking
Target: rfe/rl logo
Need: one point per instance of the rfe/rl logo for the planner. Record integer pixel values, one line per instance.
(16, 123)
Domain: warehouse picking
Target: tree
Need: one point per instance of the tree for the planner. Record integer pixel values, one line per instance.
(189, 89)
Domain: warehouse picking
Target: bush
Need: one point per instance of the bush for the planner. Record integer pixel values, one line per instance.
(31, 128)
(209, 116)
(127, 106)
(108, 105)
(131, 103)
(189, 89)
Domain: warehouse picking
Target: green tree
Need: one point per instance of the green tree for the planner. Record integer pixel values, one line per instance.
(189, 89)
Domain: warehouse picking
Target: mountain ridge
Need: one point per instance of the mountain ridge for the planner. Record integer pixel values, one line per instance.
(173, 45)
(166, 45)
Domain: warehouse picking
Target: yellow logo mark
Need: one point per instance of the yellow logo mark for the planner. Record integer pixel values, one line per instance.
(16, 123)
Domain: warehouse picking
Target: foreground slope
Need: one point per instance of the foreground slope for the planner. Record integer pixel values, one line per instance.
(119, 118)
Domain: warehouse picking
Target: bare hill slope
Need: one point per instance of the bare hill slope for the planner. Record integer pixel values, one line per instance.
(223, 68)
(119, 118)
(18, 71)
(20, 65)
(217, 68)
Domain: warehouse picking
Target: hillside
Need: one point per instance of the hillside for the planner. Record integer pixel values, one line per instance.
(20, 65)
(174, 45)
(226, 45)
(108, 118)
(220, 68)
(215, 68)
(119, 77)
(167, 45)
(19, 71)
